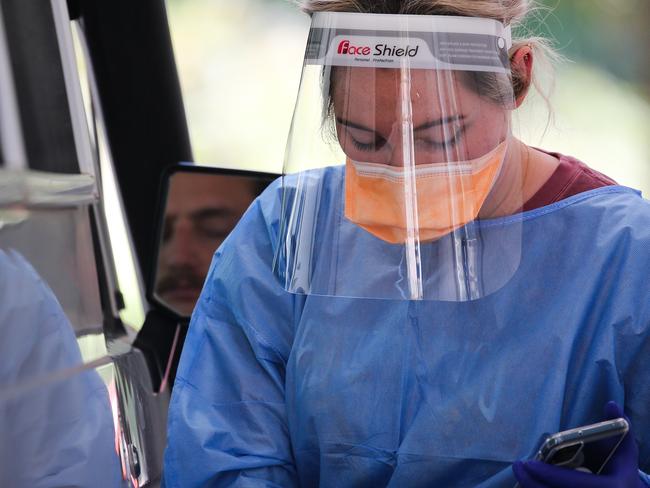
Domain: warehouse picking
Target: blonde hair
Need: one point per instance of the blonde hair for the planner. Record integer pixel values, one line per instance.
(509, 12)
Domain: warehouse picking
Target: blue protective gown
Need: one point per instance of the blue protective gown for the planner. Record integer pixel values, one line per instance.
(282, 390)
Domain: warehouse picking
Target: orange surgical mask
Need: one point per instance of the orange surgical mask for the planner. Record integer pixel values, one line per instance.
(449, 195)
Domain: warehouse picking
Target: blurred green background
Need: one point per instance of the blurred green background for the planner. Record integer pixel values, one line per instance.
(240, 62)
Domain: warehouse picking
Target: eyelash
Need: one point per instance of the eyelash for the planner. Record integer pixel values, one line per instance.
(371, 147)
(364, 147)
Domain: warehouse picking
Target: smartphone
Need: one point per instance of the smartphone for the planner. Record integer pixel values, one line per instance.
(587, 448)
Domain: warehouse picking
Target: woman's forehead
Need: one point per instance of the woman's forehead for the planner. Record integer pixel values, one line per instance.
(387, 78)
(378, 93)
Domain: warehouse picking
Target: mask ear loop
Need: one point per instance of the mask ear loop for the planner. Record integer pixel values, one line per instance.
(412, 244)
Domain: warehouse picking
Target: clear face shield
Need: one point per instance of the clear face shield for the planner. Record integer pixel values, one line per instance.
(400, 164)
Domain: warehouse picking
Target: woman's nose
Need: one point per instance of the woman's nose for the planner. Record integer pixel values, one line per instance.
(401, 147)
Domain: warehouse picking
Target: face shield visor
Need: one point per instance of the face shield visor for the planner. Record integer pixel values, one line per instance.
(400, 162)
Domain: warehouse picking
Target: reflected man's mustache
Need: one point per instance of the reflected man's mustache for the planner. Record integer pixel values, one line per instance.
(179, 277)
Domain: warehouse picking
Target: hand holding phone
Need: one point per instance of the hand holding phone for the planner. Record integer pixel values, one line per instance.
(619, 452)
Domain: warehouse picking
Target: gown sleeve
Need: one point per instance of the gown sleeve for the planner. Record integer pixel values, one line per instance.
(227, 419)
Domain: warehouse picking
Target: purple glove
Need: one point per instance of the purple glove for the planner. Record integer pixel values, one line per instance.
(622, 470)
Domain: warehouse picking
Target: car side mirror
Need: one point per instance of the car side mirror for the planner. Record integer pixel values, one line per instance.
(198, 208)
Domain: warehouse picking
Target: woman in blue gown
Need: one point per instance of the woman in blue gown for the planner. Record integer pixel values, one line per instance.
(321, 366)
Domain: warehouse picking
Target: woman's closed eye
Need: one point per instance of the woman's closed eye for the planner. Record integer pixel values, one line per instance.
(443, 140)
(373, 146)
(360, 137)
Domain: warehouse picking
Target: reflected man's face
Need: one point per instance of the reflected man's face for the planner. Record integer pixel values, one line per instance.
(201, 211)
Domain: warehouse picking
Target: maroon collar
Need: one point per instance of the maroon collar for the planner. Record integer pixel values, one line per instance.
(570, 178)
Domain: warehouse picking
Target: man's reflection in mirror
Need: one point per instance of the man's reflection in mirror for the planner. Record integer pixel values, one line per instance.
(201, 211)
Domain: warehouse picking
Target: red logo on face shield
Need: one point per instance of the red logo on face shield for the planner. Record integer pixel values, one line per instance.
(346, 48)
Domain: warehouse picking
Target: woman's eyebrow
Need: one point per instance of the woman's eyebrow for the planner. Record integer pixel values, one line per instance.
(442, 121)
(352, 125)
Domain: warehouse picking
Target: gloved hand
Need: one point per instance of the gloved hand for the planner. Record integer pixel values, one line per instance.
(622, 470)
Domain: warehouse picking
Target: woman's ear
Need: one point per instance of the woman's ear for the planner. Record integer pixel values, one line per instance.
(521, 63)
